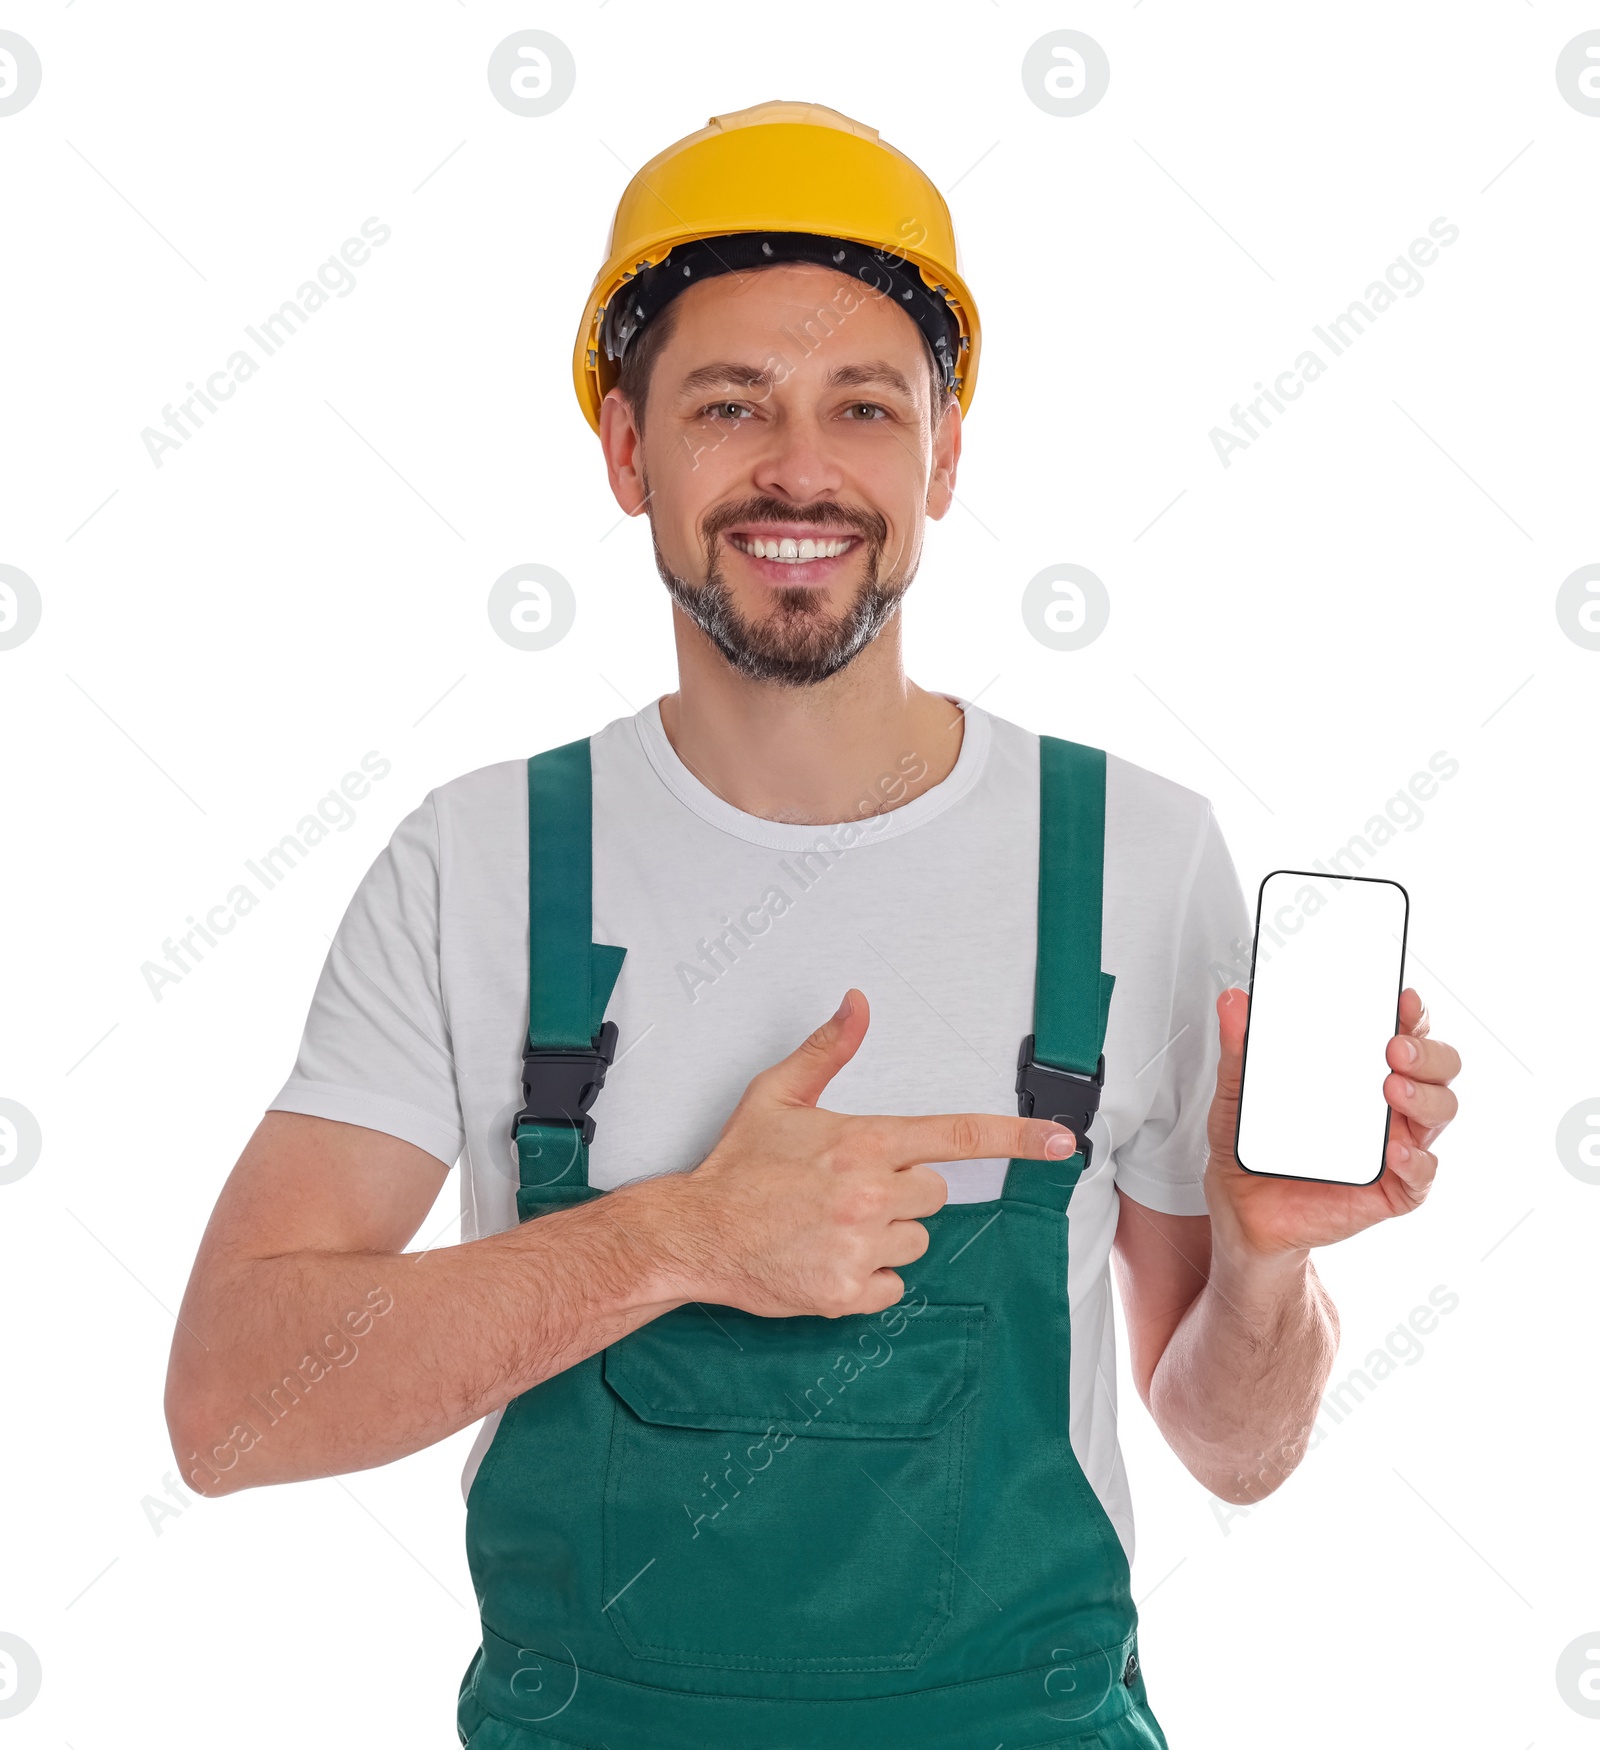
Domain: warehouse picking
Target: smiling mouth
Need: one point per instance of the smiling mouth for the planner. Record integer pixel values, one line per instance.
(789, 551)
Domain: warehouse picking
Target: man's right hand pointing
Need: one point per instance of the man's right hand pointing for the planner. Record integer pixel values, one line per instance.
(801, 1210)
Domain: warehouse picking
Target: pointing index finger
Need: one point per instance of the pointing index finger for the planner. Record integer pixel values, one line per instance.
(974, 1136)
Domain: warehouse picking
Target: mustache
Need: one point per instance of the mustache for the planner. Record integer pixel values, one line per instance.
(869, 524)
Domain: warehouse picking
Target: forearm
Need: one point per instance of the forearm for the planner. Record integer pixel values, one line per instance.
(1237, 1388)
(312, 1363)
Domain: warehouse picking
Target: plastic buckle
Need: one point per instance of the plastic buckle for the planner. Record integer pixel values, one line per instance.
(1043, 1091)
(559, 1087)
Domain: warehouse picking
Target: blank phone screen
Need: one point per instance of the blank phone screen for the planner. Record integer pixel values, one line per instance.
(1324, 1001)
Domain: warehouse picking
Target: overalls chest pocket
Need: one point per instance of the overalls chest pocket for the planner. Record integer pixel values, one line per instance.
(785, 1494)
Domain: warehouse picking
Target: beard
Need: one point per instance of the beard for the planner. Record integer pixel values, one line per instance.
(800, 643)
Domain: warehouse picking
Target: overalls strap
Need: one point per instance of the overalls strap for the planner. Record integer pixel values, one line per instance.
(1061, 1066)
(570, 980)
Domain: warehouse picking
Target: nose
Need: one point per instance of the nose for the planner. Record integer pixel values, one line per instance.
(795, 464)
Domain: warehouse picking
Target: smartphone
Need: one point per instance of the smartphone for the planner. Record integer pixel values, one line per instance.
(1325, 982)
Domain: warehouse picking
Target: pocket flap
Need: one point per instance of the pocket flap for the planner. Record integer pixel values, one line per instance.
(716, 1367)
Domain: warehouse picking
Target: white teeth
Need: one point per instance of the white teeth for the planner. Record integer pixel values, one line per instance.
(789, 551)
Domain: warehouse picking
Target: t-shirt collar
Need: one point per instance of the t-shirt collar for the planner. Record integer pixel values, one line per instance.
(869, 827)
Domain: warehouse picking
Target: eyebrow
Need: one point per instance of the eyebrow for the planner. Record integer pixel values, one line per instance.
(728, 373)
(719, 376)
(866, 376)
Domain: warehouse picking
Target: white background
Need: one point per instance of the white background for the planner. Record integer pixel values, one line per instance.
(1371, 582)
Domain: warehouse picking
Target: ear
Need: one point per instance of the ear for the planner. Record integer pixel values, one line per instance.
(621, 443)
(946, 457)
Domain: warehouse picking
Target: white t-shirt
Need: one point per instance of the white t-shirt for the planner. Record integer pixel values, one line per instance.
(742, 936)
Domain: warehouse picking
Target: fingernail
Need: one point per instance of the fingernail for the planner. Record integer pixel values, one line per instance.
(1059, 1146)
(1409, 1050)
(1402, 1153)
(842, 1013)
(1407, 1088)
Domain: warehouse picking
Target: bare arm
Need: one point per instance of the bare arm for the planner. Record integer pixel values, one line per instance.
(309, 1343)
(1232, 1335)
(1230, 1359)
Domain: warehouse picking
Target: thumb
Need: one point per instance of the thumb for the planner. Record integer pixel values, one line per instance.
(799, 1078)
(1222, 1121)
(1233, 1010)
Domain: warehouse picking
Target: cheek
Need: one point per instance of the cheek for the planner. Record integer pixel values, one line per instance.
(904, 517)
(892, 479)
(686, 480)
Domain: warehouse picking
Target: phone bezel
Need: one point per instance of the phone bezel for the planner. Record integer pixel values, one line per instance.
(1244, 1059)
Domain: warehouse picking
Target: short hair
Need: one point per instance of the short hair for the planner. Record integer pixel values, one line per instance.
(633, 375)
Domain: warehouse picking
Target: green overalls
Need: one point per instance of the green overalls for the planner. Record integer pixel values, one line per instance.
(727, 1532)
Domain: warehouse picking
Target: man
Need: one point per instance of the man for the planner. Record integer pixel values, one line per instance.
(799, 1421)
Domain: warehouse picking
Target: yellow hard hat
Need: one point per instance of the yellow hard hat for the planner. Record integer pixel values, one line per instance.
(781, 181)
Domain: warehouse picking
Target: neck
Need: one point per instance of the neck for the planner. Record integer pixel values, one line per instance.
(864, 741)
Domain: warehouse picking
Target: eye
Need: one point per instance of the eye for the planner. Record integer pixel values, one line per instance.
(860, 411)
(730, 410)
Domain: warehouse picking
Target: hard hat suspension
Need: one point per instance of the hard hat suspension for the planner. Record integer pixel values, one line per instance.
(884, 273)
